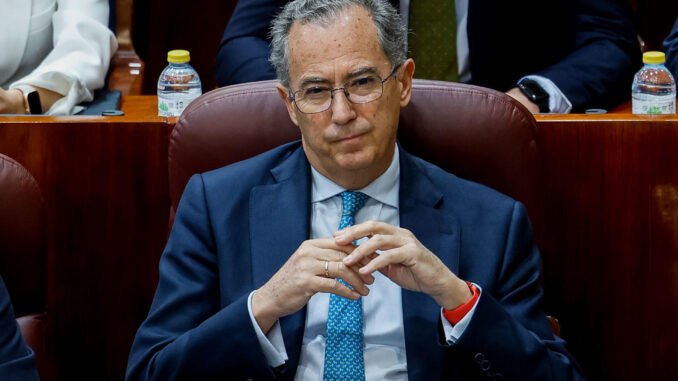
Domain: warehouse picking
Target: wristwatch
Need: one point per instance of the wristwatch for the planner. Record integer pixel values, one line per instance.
(535, 93)
(32, 99)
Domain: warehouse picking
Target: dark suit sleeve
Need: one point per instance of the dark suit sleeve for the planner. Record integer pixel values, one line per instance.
(244, 49)
(605, 56)
(17, 361)
(508, 333)
(188, 334)
(671, 49)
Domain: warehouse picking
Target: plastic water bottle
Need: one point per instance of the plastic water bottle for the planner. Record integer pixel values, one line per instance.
(178, 85)
(654, 88)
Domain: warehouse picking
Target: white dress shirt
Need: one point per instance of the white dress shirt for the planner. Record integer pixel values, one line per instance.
(61, 45)
(558, 102)
(384, 335)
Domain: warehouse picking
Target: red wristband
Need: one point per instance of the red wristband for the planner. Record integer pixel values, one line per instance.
(455, 315)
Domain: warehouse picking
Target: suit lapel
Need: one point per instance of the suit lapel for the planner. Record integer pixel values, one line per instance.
(279, 223)
(420, 213)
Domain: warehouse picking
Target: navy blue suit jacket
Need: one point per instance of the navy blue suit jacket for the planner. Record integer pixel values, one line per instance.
(671, 49)
(236, 226)
(17, 361)
(588, 48)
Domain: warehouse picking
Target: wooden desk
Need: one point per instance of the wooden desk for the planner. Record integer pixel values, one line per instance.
(611, 273)
(610, 260)
(104, 181)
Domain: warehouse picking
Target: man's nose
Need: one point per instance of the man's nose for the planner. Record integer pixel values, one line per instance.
(343, 110)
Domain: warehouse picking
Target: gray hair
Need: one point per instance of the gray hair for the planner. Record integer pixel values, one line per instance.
(391, 31)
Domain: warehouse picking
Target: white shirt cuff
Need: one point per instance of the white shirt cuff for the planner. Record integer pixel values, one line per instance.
(558, 102)
(454, 332)
(61, 84)
(272, 344)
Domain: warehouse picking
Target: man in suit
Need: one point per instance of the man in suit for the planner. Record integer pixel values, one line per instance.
(342, 257)
(17, 361)
(671, 49)
(566, 55)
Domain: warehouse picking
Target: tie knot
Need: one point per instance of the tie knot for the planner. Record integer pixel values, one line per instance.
(351, 202)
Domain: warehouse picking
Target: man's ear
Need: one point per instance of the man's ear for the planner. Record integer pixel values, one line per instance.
(405, 81)
(284, 94)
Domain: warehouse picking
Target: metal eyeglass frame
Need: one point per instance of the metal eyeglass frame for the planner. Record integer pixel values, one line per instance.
(346, 93)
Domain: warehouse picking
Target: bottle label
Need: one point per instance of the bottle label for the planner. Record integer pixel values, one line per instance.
(662, 105)
(174, 104)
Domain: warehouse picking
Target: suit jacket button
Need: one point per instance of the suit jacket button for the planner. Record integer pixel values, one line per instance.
(479, 357)
(485, 365)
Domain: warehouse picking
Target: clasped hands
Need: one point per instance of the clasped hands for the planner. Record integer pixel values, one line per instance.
(316, 263)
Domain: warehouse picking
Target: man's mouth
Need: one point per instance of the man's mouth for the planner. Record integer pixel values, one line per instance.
(350, 138)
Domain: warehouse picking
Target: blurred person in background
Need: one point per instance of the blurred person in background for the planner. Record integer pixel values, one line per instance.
(671, 50)
(553, 56)
(54, 54)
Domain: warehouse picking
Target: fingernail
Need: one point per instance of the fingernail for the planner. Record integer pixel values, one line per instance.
(348, 258)
(356, 295)
(366, 290)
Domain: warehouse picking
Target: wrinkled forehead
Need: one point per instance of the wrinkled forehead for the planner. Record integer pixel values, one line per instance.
(348, 38)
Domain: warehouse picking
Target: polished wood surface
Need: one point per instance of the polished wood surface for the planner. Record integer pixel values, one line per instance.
(127, 69)
(104, 180)
(610, 257)
(611, 268)
(126, 73)
(624, 108)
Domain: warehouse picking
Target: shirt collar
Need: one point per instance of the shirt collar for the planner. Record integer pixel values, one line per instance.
(384, 188)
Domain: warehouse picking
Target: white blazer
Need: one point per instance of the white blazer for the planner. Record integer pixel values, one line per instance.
(60, 45)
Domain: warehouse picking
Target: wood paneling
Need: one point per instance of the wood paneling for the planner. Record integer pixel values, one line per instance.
(612, 278)
(610, 264)
(104, 181)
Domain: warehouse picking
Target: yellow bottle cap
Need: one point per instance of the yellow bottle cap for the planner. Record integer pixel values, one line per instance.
(654, 57)
(182, 56)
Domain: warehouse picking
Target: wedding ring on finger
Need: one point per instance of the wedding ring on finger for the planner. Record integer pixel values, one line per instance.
(327, 269)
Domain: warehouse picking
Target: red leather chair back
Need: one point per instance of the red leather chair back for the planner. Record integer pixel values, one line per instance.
(23, 258)
(476, 133)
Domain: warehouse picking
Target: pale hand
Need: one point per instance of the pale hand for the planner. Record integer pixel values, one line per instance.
(12, 102)
(520, 97)
(304, 275)
(404, 260)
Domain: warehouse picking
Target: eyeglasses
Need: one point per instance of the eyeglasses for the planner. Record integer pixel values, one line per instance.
(315, 99)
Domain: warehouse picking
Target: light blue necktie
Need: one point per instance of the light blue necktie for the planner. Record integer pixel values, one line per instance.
(344, 347)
